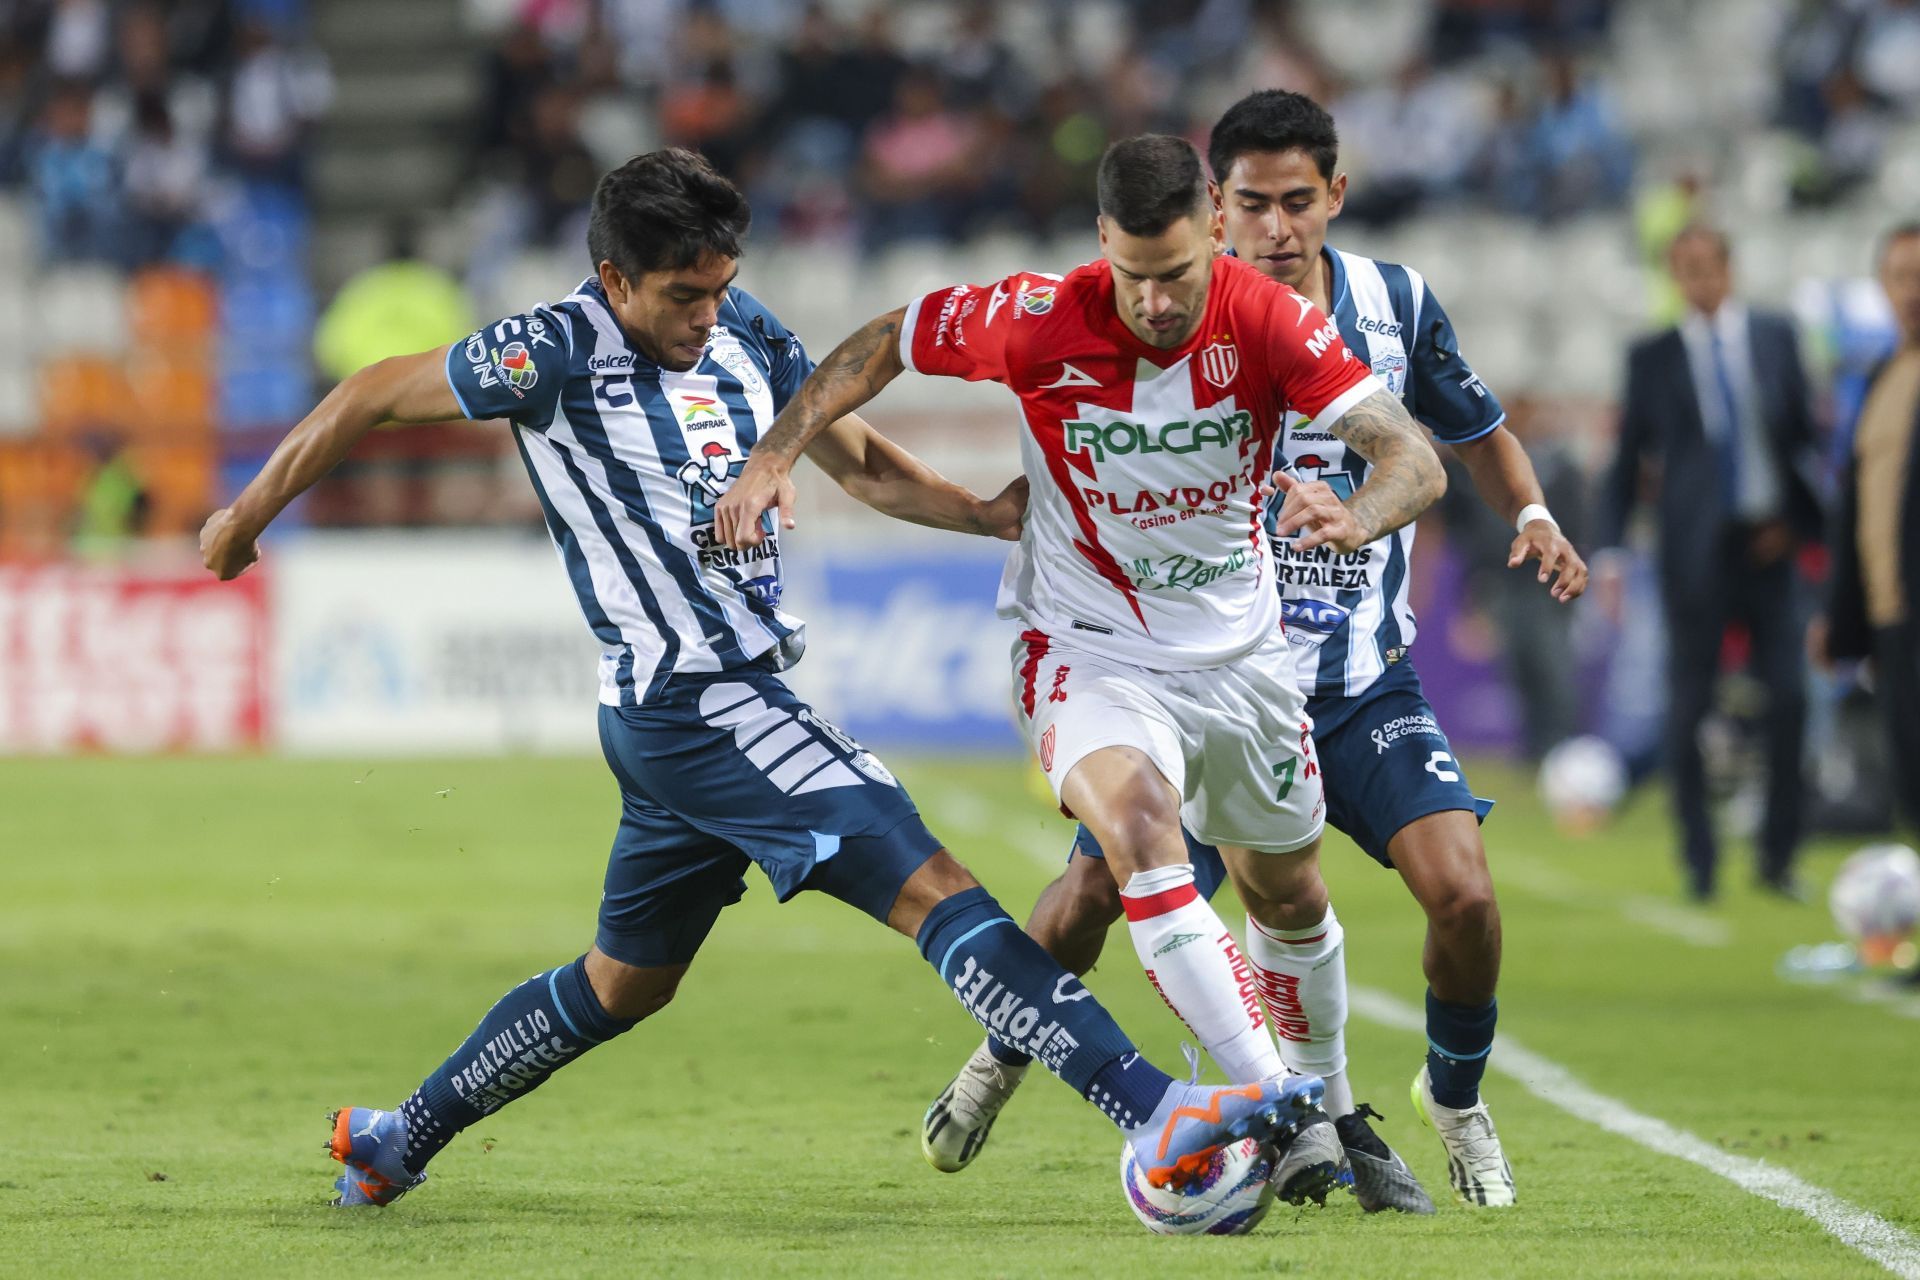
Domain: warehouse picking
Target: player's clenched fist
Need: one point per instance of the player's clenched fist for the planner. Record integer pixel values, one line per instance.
(225, 548)
(761, 484)
(1315, 511)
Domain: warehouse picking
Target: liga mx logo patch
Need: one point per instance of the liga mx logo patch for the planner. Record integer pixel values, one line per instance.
(514, 364)
(1219, 362)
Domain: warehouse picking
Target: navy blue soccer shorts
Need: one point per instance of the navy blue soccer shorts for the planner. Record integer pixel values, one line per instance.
(1385, 763)
(729, 768)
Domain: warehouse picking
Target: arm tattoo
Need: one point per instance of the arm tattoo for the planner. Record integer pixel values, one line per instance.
(1405, 478)
(849, 377)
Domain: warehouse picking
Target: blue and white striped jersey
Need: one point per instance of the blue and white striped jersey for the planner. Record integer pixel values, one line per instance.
(628, 460)
(1348, 616)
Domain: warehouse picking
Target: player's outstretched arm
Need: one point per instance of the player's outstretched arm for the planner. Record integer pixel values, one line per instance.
(1504, 478)
(892, 481)
(852, 375)
(1404, 479)
(401, 389)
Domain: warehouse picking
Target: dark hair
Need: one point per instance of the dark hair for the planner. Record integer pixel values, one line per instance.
(1149, 182)
(1894, 235)
(1704, 231)
(1274, 120)
(663, 211)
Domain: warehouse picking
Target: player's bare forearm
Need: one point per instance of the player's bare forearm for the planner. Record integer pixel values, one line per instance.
(402, 389)
(883, 475)
(1502, 473)
(1504, 478)
(1404, 477)
(850, 376)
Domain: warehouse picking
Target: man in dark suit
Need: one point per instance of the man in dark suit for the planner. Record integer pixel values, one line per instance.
(1716, 411)
(1873, 605)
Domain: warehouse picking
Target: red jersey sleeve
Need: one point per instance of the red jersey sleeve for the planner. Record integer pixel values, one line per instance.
(963, 331)
(1312, 366)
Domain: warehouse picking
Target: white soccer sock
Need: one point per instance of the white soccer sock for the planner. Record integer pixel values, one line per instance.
(1303, 978)
(1197, 967)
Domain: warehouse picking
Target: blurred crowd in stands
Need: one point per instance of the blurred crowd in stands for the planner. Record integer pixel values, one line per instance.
(157, 299)
(844, 124)
(120, 119)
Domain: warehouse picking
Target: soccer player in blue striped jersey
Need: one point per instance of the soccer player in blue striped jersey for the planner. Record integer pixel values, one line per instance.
(1392, 782)
(633, 403)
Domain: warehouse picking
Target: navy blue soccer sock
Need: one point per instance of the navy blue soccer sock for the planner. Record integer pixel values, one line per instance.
(1458, 1039)
(1005, 1054)
(535, 1029)
(1022, 996)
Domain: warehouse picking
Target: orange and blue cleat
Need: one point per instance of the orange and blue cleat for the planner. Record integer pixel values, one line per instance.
(373, 1145)
(1193, 1121)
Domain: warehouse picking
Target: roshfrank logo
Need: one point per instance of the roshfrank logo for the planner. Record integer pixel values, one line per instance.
(1220, 361)
(1176, 942)
(701, 411)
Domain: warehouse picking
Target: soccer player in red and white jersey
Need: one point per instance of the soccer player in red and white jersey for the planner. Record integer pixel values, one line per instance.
(1153, 678)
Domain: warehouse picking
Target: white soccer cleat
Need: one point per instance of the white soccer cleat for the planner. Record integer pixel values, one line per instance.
(959, 1120)
(1476, 1166)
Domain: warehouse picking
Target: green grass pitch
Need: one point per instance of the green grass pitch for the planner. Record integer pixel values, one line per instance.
(200, 958)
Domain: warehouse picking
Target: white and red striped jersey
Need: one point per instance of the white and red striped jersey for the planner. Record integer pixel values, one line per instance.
(1143, 537)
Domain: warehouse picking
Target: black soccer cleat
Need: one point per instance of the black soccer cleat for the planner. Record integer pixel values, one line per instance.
(1381, 1179)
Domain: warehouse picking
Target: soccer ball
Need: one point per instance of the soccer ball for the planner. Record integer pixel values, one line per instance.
(1876, 896)
(1229, 1199)
(1581, 780)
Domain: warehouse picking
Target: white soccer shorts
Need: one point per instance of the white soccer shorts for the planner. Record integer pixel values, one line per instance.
(1235, 741)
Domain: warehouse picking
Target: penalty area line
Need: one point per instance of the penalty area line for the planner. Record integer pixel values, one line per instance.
(1864, 1232)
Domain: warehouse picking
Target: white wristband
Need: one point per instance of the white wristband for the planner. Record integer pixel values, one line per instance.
(1531, 512)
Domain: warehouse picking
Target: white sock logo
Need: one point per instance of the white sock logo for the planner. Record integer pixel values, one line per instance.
(1060, 995)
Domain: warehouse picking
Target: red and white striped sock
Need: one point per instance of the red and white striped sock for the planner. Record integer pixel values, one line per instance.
(1303, 978)
(1197, 967)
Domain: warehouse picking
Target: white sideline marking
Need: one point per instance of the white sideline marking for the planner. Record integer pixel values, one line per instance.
(1859, 1230)
(1691, 927)
(1892, 1000)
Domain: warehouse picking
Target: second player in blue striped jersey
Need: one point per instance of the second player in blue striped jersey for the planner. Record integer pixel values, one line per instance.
(1349, 617)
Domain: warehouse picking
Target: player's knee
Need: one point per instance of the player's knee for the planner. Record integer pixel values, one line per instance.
(631, 993)
(1093, 898)
(1137, 828)
(1466, 910)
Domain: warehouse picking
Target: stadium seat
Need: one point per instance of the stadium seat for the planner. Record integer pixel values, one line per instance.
(19, 400)
(273, 395)
(84, 394)
(82, 309)
(179, 484)
(171, 309)
(16, 236)
(266, 314)
(173, 398)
